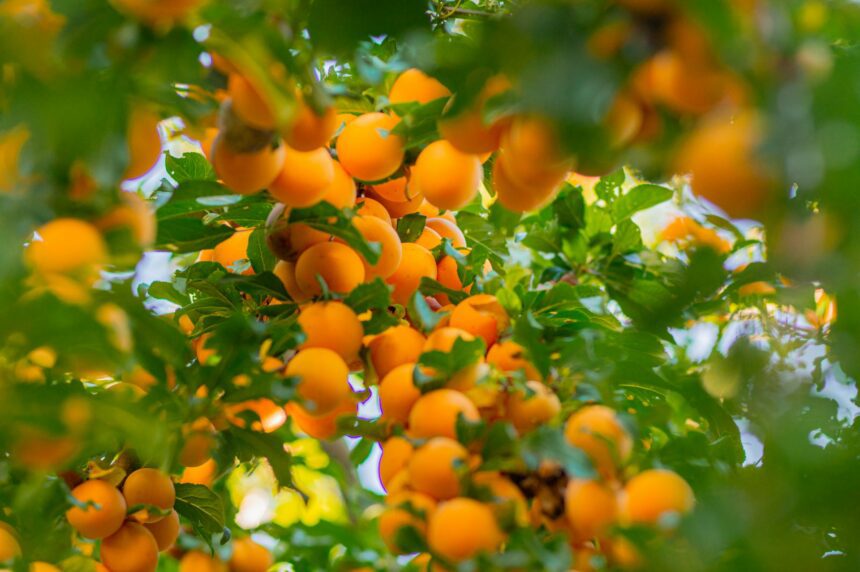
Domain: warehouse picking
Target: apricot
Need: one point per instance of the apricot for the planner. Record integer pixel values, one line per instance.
(624, 119)
(596, 430)
(246, 172)
(341, 192)
(271, 415)
(397, 394)
(467, 131)
(286, 272)
(461, 528)
(395, 346)
(368, 150)
(443, 339)
(202, 475)
(435, 414)
(416, 263)
(196, 448)
(652, 494)
(9, 547)
(742, 190)
(232, 250)
(415, 85)
(323, 378)
(434, 468)
(447, 177)
(398, 209)
(165, 531)
(527, 412)
(101, 518)
(332, 325)
(532, 155)
(321, 426)
(309, 130)
(66, 245)
(371, 207)
(134, 215)
(143, 141)
(249, 104)
(130, 549)
(404, 509)
(249, 556)
(337, 264)
(197, 561)
(149, 487)
(396, 452)
(509, 356)
(429, 238)
(447, 274)
(42, 567)
(11, 144)
(590, 508)
(522, 198)
(305, 177)
(481, 315)
(394, 190)
(376, 230)
(508, 501)
(447, 229)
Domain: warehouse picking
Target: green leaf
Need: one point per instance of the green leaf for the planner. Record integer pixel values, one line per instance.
(420, 313)
(430, 287)
(627, 238)
(327, 218)
(638, 199)
(409, 227)
(249, 444)
(369, 296)
(608, 186)
(190, 235)
(202, 507)
(261, 257)
(443, 365)
(189, 167)
(548, 444)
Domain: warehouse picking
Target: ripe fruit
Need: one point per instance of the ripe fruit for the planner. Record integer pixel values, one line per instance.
(165, 531)
(323, 378)
(249, 104)
(104, 516)
(9, 547)
(393, 347)
(398, 209)
(42, 567)
(371, 207)
(428, 238)
(341, 191)
(286, 271)
(149, 487)
(442, 339)
(508, 501)
(415, 85)
(308, 130)
(448, 178)
(522, 198)
(509, 356)
(130, 549)
(461, 528)
(337, 264)
(742, 190)
(271, 415)
(652, 494)
(246, 172)
(248, 556)
(304, 178)
(396, 452)
(590, 508)
(447, 229)
(447, 274)
(397, 394)
(531, 154)
(416, 263)
(376, 230)
(597, 431)
(196, 448)
(404, 509)
(480, 315)
(467, 130)
(197, 561)
(11, 144)
(321, 426)
(434, 468)
(332, 325)
(435, 414)
(368, 150)
(529, 411)
(232, 250)
(202, 475)
(624, 119)
(144, 142)
(394, 190)
(66, 245)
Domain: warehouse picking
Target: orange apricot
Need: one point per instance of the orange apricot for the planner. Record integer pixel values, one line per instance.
(481, 315)
(305, 177)
(624, 119)
(196, 448)
(447, 177)
(323, 378)
(397, 394)
(249, 104)
(66, 245)
(415, 85)
(332, 325)
(467, 131)
(590, 507)
(165, 531)
(232, 250)
(341, 192)
(521, 198)
(508, 501)
(376, 230)
(202, 475)
(42, 567)
(461, 528)
(596, 430)
(337, 264)
(435, 414)
(368, 150)
(509, 356)
(286, 272)
(531, 153)
(416, 263)
(395, 346)
(447, 229)
(144, 142)
(309, 130)
(394, 190)
(429, 238)
(652, 494)
(9, 547)
(197, 561)
(404, 509)
(397, 209)
(271, 415)
(249, 556)
(396, 452)
(321, 426)
(529, 411)
(434, 468)
(371, 207)
(149, 487)
(442, 339)
(130, 549)
(447, 274)
(103, 516)
(246, 172)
